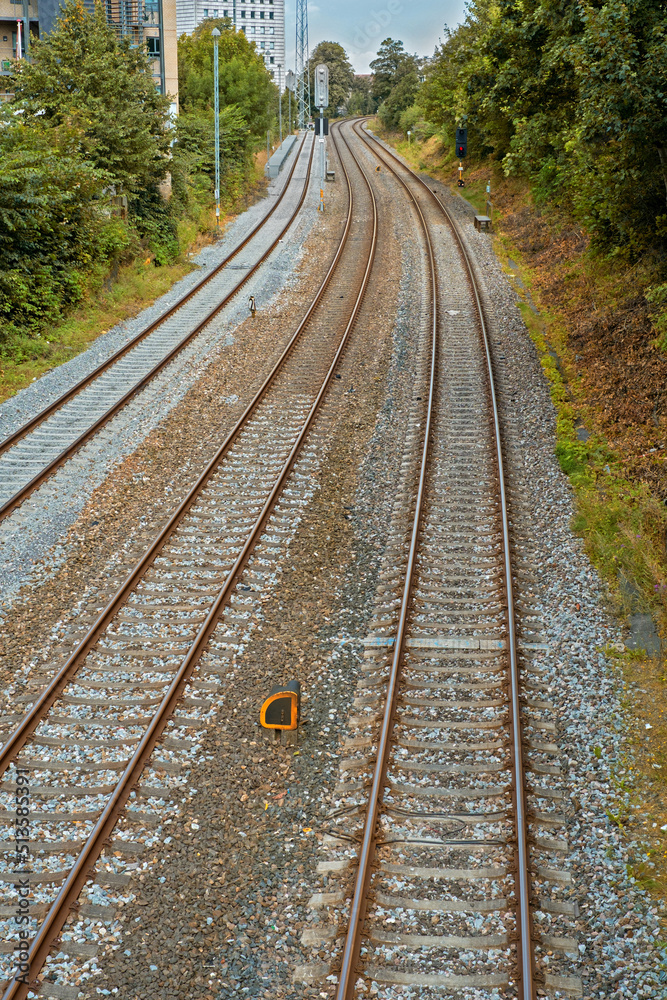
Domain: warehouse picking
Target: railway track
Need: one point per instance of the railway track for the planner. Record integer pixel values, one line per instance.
(34, 451)
(445, 871)
(116, 708)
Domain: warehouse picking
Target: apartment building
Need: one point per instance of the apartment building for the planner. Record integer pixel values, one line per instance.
(18, 18)
(150, 23)
(263, 22)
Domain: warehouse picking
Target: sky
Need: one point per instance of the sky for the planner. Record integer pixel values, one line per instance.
(361, 25)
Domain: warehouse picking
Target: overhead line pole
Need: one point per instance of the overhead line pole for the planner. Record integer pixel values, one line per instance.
(216, 111)
(280, 102)
(303, 85)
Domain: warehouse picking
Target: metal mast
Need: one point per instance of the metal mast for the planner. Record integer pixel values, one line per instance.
(302, 74)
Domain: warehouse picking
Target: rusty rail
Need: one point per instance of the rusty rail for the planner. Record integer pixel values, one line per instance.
(349, 971)
(67, 453)
(80, 872)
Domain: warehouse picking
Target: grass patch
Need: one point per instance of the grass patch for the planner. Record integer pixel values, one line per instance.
(599, 327)
(121, 295)
(645, 768)
(137, 286)
(622, 523)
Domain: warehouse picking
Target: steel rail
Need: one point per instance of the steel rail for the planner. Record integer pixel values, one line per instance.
(25, 428)
(48, 696)
(527, 982)
(67, 453)
(526, 985)
(81, 870)
(352, 946)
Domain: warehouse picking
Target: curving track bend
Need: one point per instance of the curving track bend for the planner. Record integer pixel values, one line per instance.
(35, 450)
(131, 692)
(445, 871)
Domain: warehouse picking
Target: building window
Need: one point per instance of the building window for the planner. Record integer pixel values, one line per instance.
(271, 16)
(225, 13)
(242, 13)
(205, 11)
(271, 59)
(271, 45)
(252, 13)
(153, 47)
(262, 45)
(272, 31)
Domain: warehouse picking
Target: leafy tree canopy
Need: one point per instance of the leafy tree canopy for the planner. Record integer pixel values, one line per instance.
(51, 231)
(395, 81)
(83, 75)
(243, 79)
(573, 96)
(391, 64)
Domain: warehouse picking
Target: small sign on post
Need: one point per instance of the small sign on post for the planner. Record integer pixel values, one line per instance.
(282, 708)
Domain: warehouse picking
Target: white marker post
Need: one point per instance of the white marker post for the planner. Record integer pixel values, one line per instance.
(322, 101)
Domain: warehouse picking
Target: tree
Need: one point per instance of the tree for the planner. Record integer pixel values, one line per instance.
(341, 75)
(84, 76)
(243, 79)
(572, 96)
(390, 65)
(361, 99)
(51, 229)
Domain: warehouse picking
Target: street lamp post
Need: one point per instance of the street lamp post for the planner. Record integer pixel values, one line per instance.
(280, 102)
(216, 111)
(290, 80)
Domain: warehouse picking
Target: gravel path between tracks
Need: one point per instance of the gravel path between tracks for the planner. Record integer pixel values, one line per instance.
(621, 928)
(41, 522)
(22, 406)
(257, 811)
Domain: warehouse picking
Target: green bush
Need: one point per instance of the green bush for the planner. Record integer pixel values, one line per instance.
(156, 225)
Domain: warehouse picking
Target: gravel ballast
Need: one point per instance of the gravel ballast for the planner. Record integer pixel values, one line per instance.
(29, 401)
(222, 911)
(43, 519)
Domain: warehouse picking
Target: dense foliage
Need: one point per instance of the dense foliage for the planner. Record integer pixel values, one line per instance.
(361, 97)
(395, 81)
(50, 230)
(82, 74)
(87, 124)
(248, 105)
(572, 96)
(86, 121)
